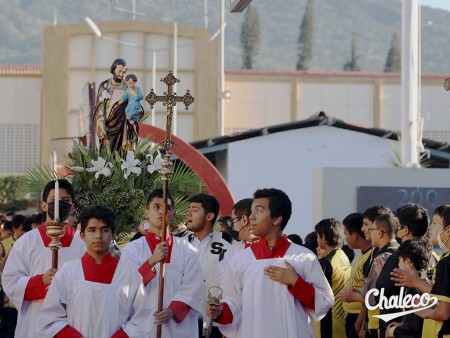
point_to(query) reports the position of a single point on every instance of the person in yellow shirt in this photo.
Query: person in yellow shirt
(352, 301)
(9, 311)
(336, 267)
(17, 227)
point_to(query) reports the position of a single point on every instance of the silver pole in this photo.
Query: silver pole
(175, 71)
(154, 85)
(205, 12)
(222, 70)
(410, 81)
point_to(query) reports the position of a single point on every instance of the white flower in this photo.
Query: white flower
(131, 165)
(100, 167)
(77, 169)
(155, 162)
(105, 95)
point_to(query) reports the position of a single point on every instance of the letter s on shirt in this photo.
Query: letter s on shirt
(217, 249)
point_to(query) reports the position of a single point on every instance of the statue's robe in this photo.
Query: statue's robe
(113, 129)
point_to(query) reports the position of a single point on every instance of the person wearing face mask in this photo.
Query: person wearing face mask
(28, 274)
(413, 223)
(240, 232)
(437, 319)
(413, 280)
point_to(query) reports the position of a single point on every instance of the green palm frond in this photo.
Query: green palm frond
(395, 158)
(185, 179)
(36, 179)
(126, 197)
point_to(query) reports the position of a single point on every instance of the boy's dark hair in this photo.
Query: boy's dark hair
(243, 207)
(418, 250)
(226, 236)
(131, 76)
(349, 252)
(353, 223)
(279, 204)
(333, 231)
(8, 225)
(224, 219)
(159, 193)
(117, 62)
(27, 224)
(388, 223)
(446, 216)
(294, 238)
(440, 209)
(208, 202)
(310, 242)
(18, 220)
(375, 211)
(10, 213)
(414, 217)
(63, 184)
(99, 212)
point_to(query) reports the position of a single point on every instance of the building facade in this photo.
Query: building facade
(20, 117)
(75, 57)
(264, 98)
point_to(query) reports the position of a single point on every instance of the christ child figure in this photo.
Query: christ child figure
(133, 94)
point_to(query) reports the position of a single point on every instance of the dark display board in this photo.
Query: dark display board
(395, 197)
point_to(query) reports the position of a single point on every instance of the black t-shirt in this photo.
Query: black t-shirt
(441, 287)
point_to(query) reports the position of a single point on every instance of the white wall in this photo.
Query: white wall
(286, 160)
(257, 104)
(20, 114)
(261, 101)
(20, 97)
(347, 101)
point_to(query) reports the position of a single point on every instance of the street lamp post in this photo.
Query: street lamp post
(410, 83)
(222, 70)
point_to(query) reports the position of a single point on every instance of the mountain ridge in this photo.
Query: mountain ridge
(372, 21)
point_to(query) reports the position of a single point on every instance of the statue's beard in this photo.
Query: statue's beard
(117, 79)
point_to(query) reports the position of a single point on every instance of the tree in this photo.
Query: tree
(352, 64)
(306, 37)
(394, 56)
(10, 196)
(250, 37)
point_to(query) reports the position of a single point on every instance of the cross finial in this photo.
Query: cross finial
(169, 99)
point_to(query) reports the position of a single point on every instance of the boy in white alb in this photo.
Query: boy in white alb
(202, 214)
(97, 295)
(182, 280)
(28, 273)
(275, 288)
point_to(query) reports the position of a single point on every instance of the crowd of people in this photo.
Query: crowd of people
(237, 276)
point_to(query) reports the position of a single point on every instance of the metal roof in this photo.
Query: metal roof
(438, 150)
(20, 70)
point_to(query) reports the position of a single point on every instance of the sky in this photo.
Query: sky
(442, 4)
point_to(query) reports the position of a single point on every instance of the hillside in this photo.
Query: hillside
(373, 22)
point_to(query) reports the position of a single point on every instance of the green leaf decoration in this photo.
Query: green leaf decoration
(126, 197)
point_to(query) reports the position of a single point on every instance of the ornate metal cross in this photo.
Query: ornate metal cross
(169, 99)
